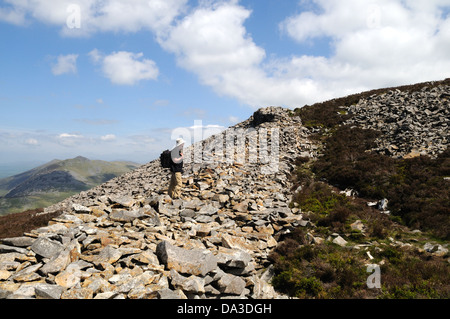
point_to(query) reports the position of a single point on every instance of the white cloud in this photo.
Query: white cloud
(12, 15)
(141, 140)
(376, 43)
(108, 137)
(96, 56)
(31, 141)
(65, 64)
(212, 42)
(67, 135)
(44, 145)
(214, 38)
(373, 44)
(125, 68)
(95, 15)
(161, 103)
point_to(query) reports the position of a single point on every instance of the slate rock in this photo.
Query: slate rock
(23, 241)
(124, 216)
(48, 291)
(194, 261)
(46, 247)
(191, 284)
(230, 284)
(167, 293)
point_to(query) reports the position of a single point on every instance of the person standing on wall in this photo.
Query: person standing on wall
(177, 169)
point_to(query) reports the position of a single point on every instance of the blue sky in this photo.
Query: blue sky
(112, 79)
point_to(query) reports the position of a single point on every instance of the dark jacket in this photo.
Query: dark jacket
(176, 168)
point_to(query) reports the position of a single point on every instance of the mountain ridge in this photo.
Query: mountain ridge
(265, 227)
(60, 176)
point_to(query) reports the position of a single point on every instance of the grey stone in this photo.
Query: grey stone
(80, 209)
(340, 241)
(208, 210)
(18, 241)
(109, 254)
(204, 219)
(167, 293)
(193, 261)
(57, 263)
(27, 274)
(230, 284)
(124, 201)
(46, 247)
(48, 291)
(8, 249)
(125, 216)
(191, 284)
(234, 258)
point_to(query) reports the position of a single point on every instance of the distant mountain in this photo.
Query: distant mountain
(56, 180)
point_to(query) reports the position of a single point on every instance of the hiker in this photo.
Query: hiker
(176, 168)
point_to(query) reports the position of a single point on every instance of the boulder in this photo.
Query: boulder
(125, 216)
(193, 261)
(46, 247)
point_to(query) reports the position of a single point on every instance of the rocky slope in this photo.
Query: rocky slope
(411, 123)
(127, 239)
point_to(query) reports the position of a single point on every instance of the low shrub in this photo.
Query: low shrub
(14, 225)
(416, 187)
(320, 271)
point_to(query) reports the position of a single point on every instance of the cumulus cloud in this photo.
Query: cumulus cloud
(376, 43)
(125, 68)
(95, 15)
(372, 44)
(212, 42)
(65, 64)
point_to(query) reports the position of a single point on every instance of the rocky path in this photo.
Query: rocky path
(128, 239)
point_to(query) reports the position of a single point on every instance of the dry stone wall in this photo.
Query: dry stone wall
(128, 239)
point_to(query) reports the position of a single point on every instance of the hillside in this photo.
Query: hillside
(305, 203)
(55, 181)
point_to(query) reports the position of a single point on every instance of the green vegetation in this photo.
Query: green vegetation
(332, 272)
(322, 269)
(416, 188)
(309, 265)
